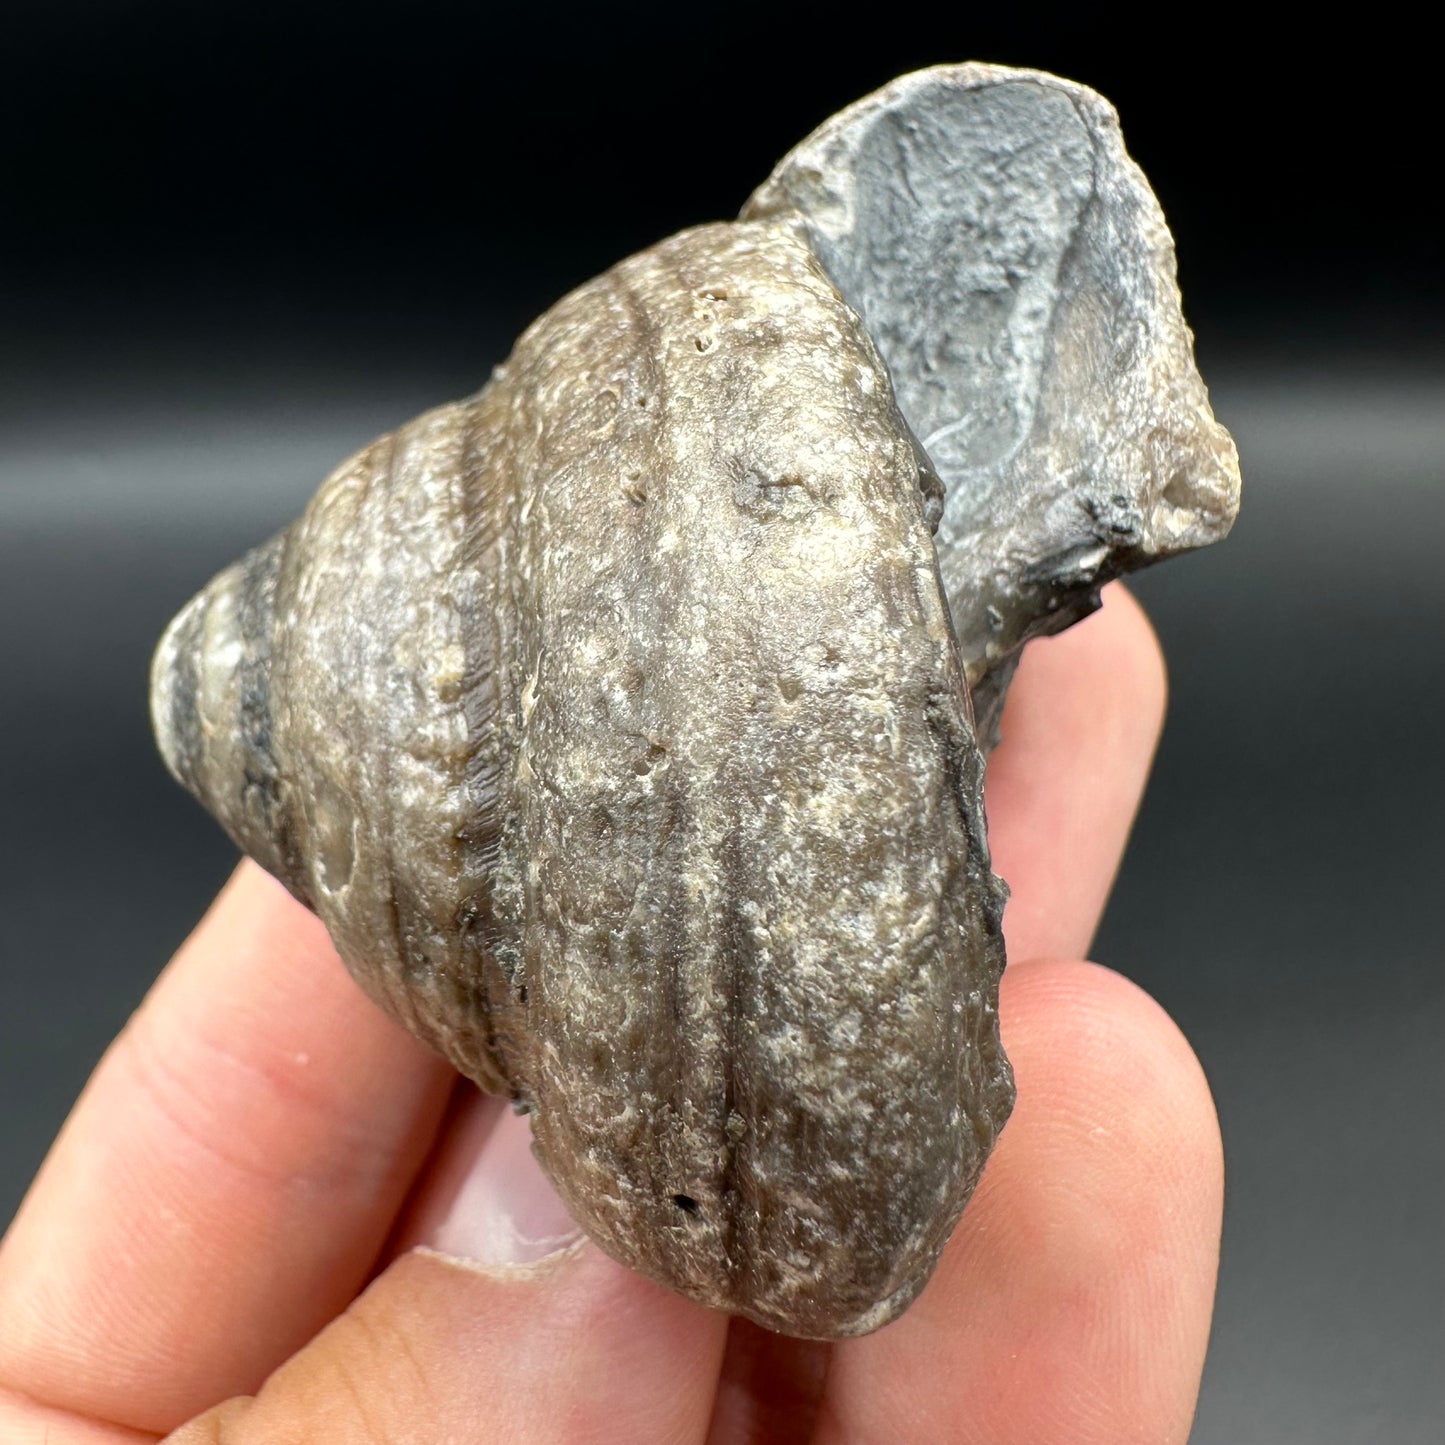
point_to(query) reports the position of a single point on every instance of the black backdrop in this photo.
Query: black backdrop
(238, 241)
(314, 154)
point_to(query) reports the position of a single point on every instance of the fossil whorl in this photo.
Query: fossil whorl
(613, 724)
(614, 720)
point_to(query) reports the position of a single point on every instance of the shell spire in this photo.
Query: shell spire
(211, 710)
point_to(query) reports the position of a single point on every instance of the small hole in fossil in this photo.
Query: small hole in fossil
(686, 1203)
(655, 751)
(1179, 493)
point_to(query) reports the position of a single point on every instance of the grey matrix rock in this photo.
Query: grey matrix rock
(616, 720)
(1014, 269)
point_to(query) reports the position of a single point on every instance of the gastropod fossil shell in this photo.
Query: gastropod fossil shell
(616, 720)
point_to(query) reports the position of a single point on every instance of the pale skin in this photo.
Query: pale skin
(221, 1243)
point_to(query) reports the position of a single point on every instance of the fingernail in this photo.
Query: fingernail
(505, 1209)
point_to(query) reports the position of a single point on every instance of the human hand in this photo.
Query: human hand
(275, 1216)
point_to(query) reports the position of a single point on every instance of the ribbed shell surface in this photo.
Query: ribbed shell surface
(613, 722)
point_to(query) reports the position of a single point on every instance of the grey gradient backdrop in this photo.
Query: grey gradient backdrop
(217, 282)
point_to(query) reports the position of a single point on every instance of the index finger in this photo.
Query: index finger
(226, 1180)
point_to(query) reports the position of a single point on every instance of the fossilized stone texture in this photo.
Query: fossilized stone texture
(613, 724)
(1015, 271)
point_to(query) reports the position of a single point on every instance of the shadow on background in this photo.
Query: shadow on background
(245, 241)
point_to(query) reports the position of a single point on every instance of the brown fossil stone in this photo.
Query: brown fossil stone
(614, 720)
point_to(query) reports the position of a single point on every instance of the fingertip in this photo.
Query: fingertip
(1104, 1059)
(1073, 1303)
(1127, 645)
(1100, 1214)
(1079, 732)
(1109, 668)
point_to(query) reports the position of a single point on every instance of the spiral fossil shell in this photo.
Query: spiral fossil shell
(614, 721)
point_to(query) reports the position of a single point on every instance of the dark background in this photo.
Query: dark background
(236, 242)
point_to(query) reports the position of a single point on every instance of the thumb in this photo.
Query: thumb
(498, 1323)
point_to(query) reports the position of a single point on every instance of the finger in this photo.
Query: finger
(224, 1184)
(516, 1330)
(769, 1387)
(1073, 1303)
(1079, 731)
(571, 1348)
